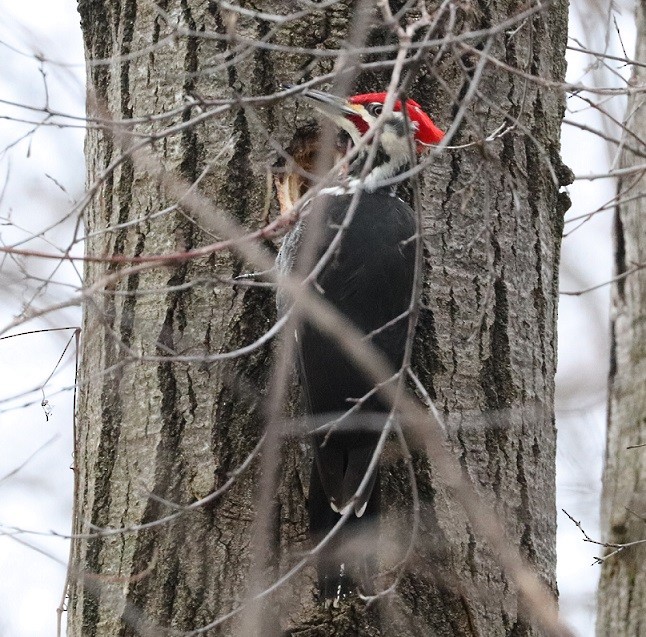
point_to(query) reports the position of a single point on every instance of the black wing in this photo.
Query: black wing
(369, 280)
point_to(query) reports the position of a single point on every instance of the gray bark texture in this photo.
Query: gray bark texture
(485, 348)
(622, 589)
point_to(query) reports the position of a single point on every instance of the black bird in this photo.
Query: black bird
(368, 279)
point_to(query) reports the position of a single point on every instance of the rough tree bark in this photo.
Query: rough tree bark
(622, 589)
(486, 346)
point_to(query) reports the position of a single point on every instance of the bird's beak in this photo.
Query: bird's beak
(341, 111)
(329, 104)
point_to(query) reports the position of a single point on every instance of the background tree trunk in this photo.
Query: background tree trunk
(622, 589)
(486, 346)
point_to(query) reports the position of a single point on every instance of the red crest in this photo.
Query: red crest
(426, 132)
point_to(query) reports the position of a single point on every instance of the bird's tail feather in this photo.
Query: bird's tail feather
(347, 564)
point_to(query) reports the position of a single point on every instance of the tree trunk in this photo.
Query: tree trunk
(622, 589)
(485, 350)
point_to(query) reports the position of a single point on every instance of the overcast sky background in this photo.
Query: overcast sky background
(43, 173)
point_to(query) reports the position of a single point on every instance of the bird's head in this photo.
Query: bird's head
(357, 114)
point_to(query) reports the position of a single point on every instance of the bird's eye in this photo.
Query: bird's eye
(375, 109)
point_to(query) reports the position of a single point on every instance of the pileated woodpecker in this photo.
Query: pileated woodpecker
(368, 279)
